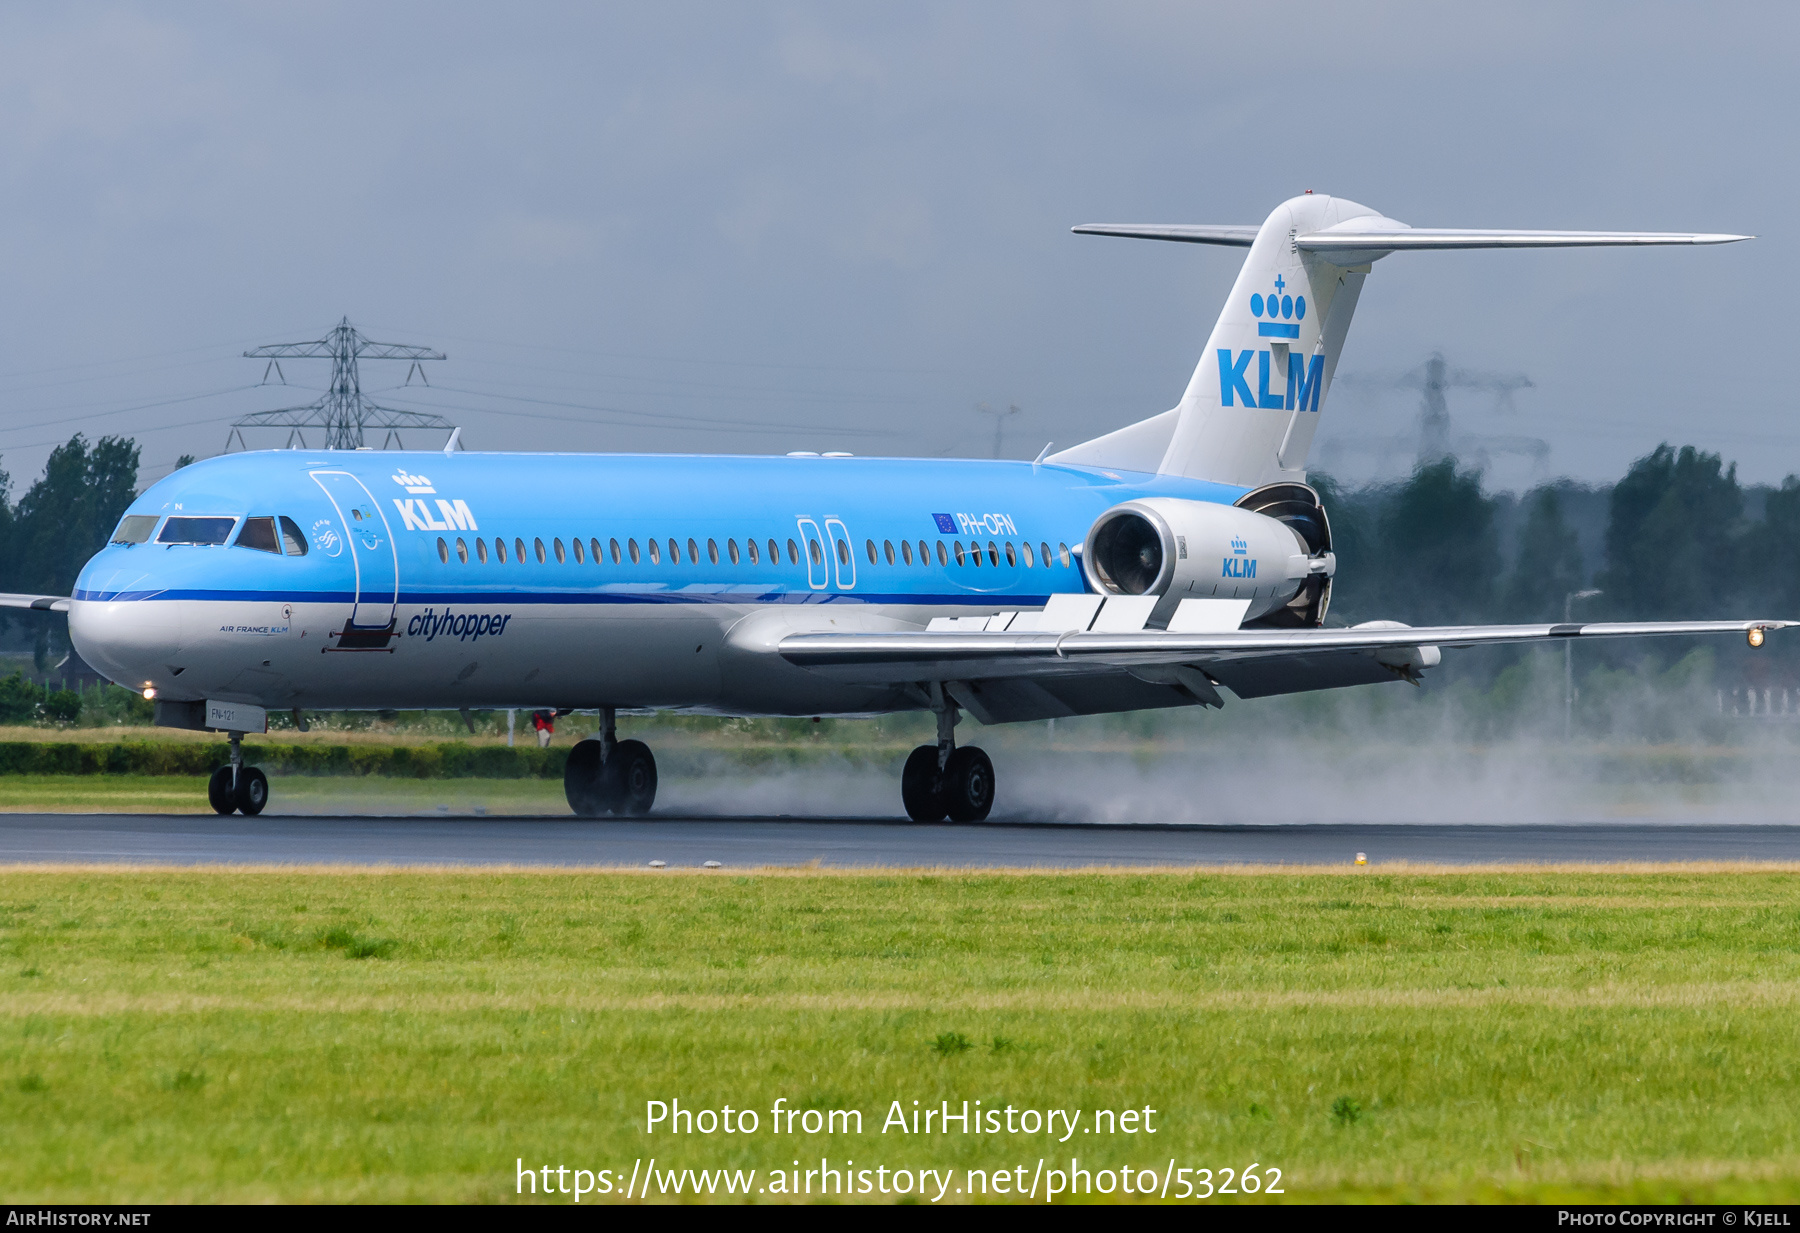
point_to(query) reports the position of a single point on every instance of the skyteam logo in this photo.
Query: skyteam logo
(1290, 309)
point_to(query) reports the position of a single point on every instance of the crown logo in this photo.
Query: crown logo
(1239, 545)
(1284, 312)
(412, 483)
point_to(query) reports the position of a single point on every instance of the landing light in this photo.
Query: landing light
(149, 692)
(1756, 635)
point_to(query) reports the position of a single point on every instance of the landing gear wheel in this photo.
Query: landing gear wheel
(218, 791)
(921, 786)
(968, 785)
(252, 791)
(581, 780)
(628, 780)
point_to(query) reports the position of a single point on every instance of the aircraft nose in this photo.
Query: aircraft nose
(131, 642)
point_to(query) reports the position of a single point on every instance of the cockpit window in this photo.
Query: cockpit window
(180, 530)
(135, 529)
(290, 535)
(258, 533)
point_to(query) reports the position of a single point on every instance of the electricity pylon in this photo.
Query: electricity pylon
(343, 412)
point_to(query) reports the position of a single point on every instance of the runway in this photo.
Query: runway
(846, 843)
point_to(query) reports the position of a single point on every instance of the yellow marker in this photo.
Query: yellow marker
(1362, 858)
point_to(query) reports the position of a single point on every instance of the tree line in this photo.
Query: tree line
(1677, 537)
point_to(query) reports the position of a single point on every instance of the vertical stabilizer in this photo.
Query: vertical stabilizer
(1252, 406)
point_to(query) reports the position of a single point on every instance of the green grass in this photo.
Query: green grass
(289, 794)
(252, 1035)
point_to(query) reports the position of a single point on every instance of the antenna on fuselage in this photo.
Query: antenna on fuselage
(343, 413)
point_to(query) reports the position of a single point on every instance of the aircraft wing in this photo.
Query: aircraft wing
(42, 603)
(1009, 676)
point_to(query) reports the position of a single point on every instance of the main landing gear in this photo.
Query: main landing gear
(607, 775)
(942, 780)
(237, 788)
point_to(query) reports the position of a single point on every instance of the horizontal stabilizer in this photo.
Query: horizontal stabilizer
(1192, 233)
(1357, 239)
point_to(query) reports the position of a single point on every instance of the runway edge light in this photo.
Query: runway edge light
(1756, 635)
(1362, 858)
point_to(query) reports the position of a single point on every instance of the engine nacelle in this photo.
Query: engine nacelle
(1180, 549)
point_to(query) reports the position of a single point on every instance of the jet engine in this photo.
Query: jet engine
(1272, 548)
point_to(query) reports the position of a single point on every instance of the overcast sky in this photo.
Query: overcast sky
(762, 228)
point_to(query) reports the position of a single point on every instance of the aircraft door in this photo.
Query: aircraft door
(371, 548)
(818, 572)
(843, 553)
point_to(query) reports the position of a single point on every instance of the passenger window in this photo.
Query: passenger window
(712, 551)
(291, 537)
(943, 558)
(871, 547)
(211, 531)
(993, 554)
(844, 551)
(655, 553)
(1011, 559)
(258, 533)
(576, 545)
(594, 551)
(556, 544)
(519, 550)
(674, 553)
(135, 529)
(751, 545)
(1044, 554)
(631, 546)
(887, 550)
(1026, 549)
(462, 551)
(537, 545)
(793, 551)
(959, 552)
(694, 553)
(812, 551)
(731, 550)
(775, 552)
(906, 551)
(974, 551)
(443, 551)
(500, 551)
(1062, 553)
(614, 545)
(481, 551)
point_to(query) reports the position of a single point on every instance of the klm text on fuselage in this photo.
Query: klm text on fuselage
(1303, 381)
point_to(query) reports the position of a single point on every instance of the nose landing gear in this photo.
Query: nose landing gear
(943, 780)
(607, 775)
(237, 788)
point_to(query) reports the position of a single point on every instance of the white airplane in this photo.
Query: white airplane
(1161, 565)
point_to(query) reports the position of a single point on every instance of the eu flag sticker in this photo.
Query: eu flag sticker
(945, 523)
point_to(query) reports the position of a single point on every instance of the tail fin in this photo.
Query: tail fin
(1250, 411)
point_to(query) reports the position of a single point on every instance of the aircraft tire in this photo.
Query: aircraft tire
(218, 791)
(582, 780)
(968, 785)
(629, 779)
(921, 786)
(252, 791)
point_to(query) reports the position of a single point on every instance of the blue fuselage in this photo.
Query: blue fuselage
(569, 579)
